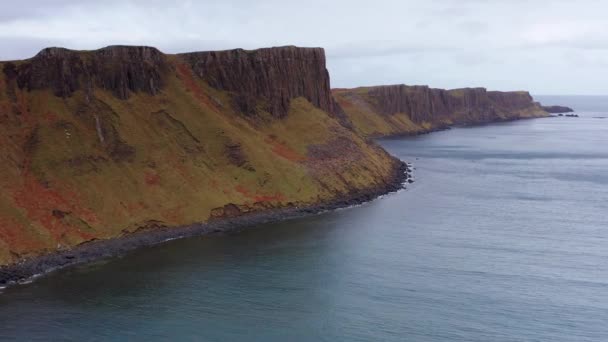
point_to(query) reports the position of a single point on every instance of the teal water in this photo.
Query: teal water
(503, 237)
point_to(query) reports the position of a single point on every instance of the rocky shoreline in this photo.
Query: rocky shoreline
(96, 250)
(101, 249)
(448, 127)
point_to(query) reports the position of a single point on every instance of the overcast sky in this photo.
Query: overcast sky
(547, 47)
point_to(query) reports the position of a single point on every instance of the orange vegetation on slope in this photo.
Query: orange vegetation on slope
(283, 150)
(256, 197)
(185, 74)
(175, 131)
(48, 207)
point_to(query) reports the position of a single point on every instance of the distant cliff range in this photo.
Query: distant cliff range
(402, 109)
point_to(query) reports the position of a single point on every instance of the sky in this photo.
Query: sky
(546, 47)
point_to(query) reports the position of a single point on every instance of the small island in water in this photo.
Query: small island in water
(558, 109)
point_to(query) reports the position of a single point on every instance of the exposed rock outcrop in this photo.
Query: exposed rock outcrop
(119, 69)
(267, 78)
(428, 104)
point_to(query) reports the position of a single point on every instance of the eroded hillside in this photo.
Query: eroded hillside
(98, 144)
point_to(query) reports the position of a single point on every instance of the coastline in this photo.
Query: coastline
(446, 127)
(34, 267)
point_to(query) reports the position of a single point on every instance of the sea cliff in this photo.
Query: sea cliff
(401, 109)
(102, 144)
(107, 150)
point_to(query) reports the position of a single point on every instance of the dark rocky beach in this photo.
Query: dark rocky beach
(100, 249)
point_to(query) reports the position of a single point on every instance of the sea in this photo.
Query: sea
(503, 236)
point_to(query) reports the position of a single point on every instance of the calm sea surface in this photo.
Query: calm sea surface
(503, 237)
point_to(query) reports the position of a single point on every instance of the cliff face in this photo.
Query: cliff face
(100, 144)
(401, 109)
(119, 69)
(258, 77)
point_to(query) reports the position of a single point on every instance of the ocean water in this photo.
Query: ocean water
(503, 237)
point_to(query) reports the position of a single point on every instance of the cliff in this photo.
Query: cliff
(102, 144)
(120, 69)
(402, 109)
(257, 77)
(128, 141)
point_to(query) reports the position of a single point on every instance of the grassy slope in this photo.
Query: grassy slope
(367, 121)
(359, 107)
(62, 185)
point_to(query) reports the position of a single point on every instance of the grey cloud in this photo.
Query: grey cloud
(591, 43)
(27, 9)
(381, 48)
(23, 47)
(501, 44)
(474, 27)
